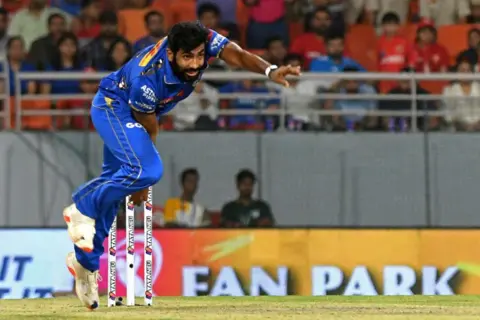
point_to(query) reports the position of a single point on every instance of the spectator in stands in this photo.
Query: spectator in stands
(242, 122)
(472, 54)
(118, 54)
(210, 16)
(310, 45)
(80, 122)
(443, 12)
(86, 25)
(299, 99)
(228, 9)
(31, 22)
(430, 55)
(375, 10)
(463, 114)
(72, 7)
(335, 59)
(155, 23)
(402, 123)
(474, 16)
(246, 211)
(44, 48)
(96, 52)
(356, 119)
(3, 30)
(395, 52)
(184, 211)
(199, 111)
(66, 58)
(267, 19)
(17, 63)
(336, 8)
(275, 51)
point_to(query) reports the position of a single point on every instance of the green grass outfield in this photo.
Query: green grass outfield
(279, 308)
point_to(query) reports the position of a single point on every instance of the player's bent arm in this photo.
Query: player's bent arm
(149, 122)
(237, 57)
(143, 103)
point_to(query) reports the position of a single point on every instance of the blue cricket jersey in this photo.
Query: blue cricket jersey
(147, 82)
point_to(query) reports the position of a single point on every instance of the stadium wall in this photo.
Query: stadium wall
(398, 180)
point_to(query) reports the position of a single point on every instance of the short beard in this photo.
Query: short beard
(181, 73)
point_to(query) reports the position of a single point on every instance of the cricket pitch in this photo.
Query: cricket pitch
(232, 308)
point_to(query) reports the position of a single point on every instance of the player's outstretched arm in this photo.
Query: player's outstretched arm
(235, 56)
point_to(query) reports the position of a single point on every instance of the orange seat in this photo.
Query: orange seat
(454, 37)
(434, 87)
(361, 41)
(32, 122)
(132, 31)
(409, 31)
(242, 21)
(183, 10)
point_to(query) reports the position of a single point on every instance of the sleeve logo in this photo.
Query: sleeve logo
(149, 94)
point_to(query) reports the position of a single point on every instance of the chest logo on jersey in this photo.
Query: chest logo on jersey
(176, 97)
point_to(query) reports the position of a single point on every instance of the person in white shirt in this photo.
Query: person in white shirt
(463, 114)
(203, 102)
(300, 99)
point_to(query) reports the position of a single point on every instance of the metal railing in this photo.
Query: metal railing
(232, 76)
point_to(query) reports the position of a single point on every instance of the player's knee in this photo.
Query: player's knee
(152, 173)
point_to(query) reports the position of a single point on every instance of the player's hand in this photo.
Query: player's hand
(140, 196)
(281, 73)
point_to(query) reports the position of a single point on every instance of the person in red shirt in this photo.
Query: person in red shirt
(310, 45)
(430, 55)
(86, 25)
(394, 51)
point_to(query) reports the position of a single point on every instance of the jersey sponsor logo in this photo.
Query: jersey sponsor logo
(149, 94)
(131, 125)
(150, 54)
(174, 98)
(217, 42)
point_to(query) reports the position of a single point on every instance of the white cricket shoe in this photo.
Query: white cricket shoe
(80, 228)
(86, 282)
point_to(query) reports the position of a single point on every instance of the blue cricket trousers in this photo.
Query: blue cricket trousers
(130, 163)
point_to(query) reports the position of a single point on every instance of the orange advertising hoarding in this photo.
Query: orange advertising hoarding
(314, 262)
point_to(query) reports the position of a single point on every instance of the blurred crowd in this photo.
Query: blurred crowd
(328, 36)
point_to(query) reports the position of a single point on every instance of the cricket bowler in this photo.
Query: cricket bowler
(125, 114)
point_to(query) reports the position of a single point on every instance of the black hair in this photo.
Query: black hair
(208, 7)
(53, 16)
(245, 174)
(151, 14)
(322, 9)
(390, 17)
(293, 56)
(333, 35)
(350, 68)
(271, 40)
(187, 172)
(10, 42)
(86, 3)
(187, 36)
(108, 17)
(57, 57)
(110, 62)
(307, 26)
(467, 61)
(3, 12)
(407, 70)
